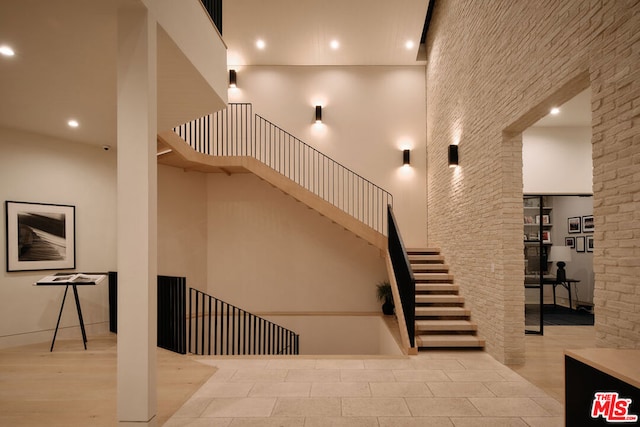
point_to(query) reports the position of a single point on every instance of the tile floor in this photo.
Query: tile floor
(439, 388)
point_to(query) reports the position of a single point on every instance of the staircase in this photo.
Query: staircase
(236, 140)
(442, 321)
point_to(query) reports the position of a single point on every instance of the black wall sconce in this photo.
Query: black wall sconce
(406, 157)
(233, 78)
(318, 114)
(453, 155)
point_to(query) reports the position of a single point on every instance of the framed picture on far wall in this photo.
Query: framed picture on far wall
(589, 243)
(40, 236)
(574, 224)
(570, 241)
(587, 224)
(580, 244)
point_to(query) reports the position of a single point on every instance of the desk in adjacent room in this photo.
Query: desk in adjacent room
(534, 282)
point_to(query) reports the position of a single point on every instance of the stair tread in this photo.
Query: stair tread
(417, 258)
(438, 298)
(432, 276)
(445, 325)
(423, 250)
(443, 308)
(442, 311)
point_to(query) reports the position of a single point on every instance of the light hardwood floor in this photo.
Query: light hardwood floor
(74, 387)
(544, 364)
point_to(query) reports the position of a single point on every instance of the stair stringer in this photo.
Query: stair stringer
(183, 156)
(405, 343)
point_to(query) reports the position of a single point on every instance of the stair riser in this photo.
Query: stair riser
(446, 344)
(436, 287)
(439, 299)
(443, 314)
(446, 329)
(423, 251)
(429, 268)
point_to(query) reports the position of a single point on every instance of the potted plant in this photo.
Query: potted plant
(385, 296)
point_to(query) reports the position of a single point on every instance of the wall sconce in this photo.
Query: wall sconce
(233, 78)
(318, 114)
(406, 157)
(453, 155)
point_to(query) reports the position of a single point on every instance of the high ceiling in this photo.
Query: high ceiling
(64, 66)
(299, 32)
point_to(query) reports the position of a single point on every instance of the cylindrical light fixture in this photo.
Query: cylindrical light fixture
(406, 157)
(318, 114)
(453, 155)
(233, 78)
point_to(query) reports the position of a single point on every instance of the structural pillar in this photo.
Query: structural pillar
(137, 215)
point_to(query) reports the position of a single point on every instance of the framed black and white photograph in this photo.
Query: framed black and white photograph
(40, 236)
(587, 224)
(589, 243)
(574, 224)
(580, 244)
(570, 241)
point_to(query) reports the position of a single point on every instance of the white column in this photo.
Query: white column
(137, 216)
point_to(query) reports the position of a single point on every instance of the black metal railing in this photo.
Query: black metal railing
(214, 8)
(172, 323)
(404, 276)
(171, 317)
(219, 328)
(236, 131)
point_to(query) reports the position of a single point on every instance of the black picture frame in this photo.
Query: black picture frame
(588, 225)
(570, 241)
(574, 224)
(580, 246)
(590, 242)
(40, 236)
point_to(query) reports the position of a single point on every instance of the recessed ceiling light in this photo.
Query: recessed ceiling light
(73, 123)
(6, 51)
(409, 44)
(555, 110)
(260, 44)
(335, 44)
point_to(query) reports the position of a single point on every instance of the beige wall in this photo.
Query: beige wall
(182, 225)
(494, 68)
(353, 335)
(369, 115)
(34, 168)
(238, 232)
(557, 160)
(268, 253)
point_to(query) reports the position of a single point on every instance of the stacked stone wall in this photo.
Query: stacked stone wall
(494, 68)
